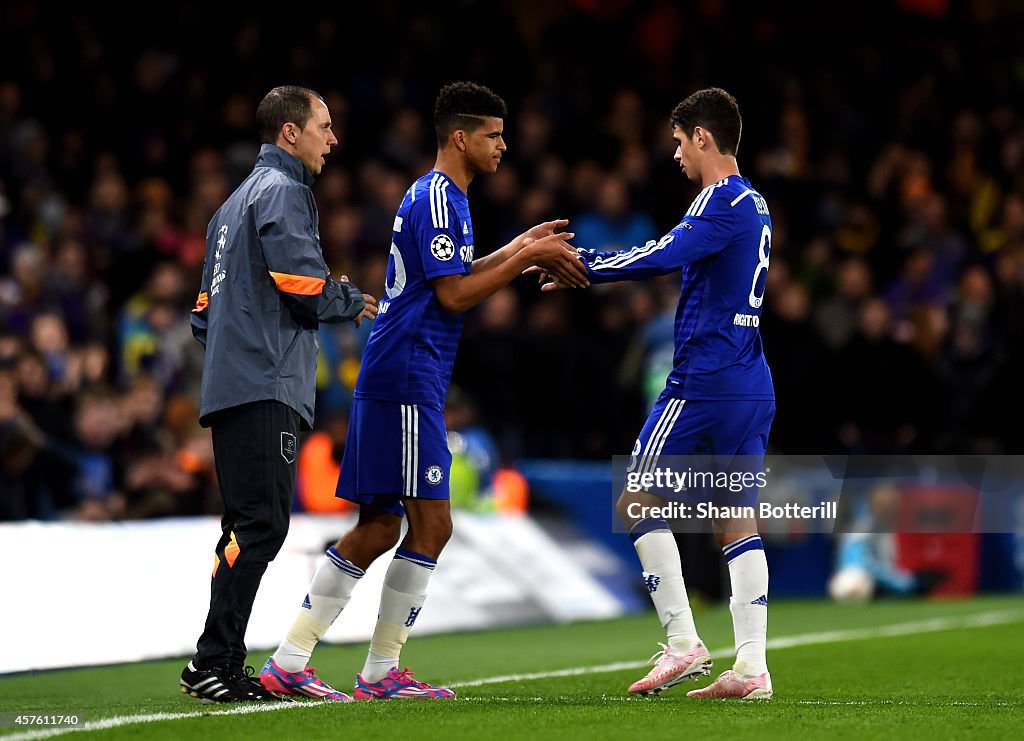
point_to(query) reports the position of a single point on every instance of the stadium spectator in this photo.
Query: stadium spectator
(885, 387)
(20, 443)
(837, 313)
(48, 336)
(98, 424)
(154, 481)
(319, 464)
(494, 342)
(82, 301)
(475, 458)
(23, 293)
(614, 223)
(796, 355)
(152, 328)
(967, 369)
(341, 350)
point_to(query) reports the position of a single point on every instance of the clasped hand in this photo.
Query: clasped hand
(554, 259)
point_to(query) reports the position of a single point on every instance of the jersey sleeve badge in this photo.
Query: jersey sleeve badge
(442, 247)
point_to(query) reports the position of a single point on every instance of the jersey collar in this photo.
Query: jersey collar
(446, 177)
(272, 155)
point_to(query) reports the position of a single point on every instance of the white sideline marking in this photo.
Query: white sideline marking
(933, 625)
(807, 639)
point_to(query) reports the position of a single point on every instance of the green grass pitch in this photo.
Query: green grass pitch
(893, 670)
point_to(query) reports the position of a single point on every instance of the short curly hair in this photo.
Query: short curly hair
(463, 105)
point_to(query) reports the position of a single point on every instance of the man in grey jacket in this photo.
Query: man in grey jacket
(265, 289)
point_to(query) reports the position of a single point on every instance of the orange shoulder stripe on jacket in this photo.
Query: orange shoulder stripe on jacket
(300, 284)
(202, 301)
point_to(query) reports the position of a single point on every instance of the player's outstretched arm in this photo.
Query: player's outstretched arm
(643, 261)
(459, 293)
(693, 239)
(531, 235)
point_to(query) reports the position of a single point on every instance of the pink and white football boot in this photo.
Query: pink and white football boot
(672, 667)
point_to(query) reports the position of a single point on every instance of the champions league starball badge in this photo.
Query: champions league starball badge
(442, 247)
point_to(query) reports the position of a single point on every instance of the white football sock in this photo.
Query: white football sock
(401, 599)
(748, 572)
(329, 592)
(663, 575)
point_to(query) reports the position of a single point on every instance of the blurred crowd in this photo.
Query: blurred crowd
(891, 156)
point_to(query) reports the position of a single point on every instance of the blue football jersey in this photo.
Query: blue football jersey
(722, 246)
(409, 355)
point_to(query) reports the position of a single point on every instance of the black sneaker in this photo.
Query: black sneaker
(251, 680)
(225, 684)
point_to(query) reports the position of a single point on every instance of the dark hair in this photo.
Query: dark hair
(462, 105)
(284, 104)
(715, 110)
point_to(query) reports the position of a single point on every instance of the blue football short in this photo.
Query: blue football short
(722, 441)
(394, 451)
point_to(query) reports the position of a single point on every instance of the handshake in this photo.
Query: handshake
(554, 261)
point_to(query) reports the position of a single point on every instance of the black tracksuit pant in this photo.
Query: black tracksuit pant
(255, 446)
